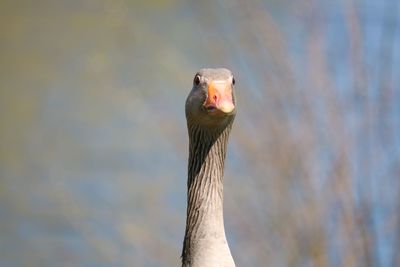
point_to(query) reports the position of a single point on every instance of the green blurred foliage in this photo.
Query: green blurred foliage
(93, 142)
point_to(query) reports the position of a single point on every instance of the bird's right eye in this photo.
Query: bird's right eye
(196, 80)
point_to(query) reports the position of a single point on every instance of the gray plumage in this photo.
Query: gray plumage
(205, 243)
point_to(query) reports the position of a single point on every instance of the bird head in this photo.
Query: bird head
(211, 101)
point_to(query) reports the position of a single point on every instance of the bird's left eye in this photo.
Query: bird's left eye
(233, 81)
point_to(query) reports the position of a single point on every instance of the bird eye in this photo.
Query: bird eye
(233, 81)
(196, 80)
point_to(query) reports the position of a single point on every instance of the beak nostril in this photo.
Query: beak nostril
(215, 98)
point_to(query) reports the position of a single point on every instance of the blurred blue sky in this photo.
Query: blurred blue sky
(93, 141)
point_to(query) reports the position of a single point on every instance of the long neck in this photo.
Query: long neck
(205, 242)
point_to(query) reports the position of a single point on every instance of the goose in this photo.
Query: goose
(210, 111)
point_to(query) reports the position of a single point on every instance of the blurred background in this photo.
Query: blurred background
(93, 139)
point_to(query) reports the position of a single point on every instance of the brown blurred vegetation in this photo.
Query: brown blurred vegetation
(93, 142)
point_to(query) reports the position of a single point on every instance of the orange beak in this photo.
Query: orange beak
(220, 96)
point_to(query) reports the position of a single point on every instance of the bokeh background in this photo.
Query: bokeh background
(93, 141)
